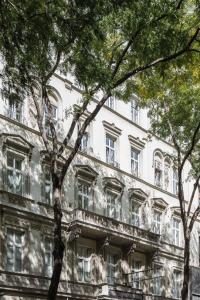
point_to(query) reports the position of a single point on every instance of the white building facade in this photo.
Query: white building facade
(121, 220)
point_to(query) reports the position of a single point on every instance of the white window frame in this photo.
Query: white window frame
(15, 110)
(110, 150)
(175, 181)
(15, 247)
(176, 231)
(82, 196)
(176, 284)
(110, 102)
(48, 256)
(135, 212)
(15, 156)
(113, 209)
(47, 117)
(135, 162)
(84, 262)
(167, 169)
(112, 261)
(134, 111)
(136, 274)
(157, 221)
(158, 171)
(157, 283)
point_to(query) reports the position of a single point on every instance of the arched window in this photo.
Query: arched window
(158, 169)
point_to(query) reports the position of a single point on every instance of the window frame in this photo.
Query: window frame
(134, 111)
(176, 284)
(157, 224)
(135, 161)
(49, 252)
(110, 150)
(86, 275)
(175, 241)
(22, 234)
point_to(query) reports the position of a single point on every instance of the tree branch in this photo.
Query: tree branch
(192, 195)
(52, 71)
(158, 61)
(193, 144)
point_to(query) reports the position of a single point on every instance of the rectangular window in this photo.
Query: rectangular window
(176, 284)
(136, 267)
(135, 214)
(84, 142)
(110, 150)
(47, 118)
(14, 250)
(176, 231)
(15, 109)
(175, 182)
(134, 111)
(111, 267)
(113, 206)
(110, 102)
(157, 283)
(14, 173)
(134, 161)
(157, 222)
(83, 195)
(48, 256)
(84, 263)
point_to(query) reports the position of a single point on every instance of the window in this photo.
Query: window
(110, 150)
(84, 142)
(176, 231)
(157, 170)
(157, 283)
(84, 263)
(134, 111)
(134, 161)
(175, 181)
(113, 206)
(136, 267)
(111, 267)
(176, 284)
(54, 111)
(110, 102)
(14, 250)
(48, 257)
(15, 108)
(83, 194)
(14, 173)
(157, 222)
(166, 174)
(135, 214)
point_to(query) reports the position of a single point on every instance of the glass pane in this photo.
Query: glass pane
(10, 160)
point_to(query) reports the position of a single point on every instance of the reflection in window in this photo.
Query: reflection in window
(134, 161)
(136, 267)
(15, 108)
(14, 173)
(158, 170)
(48, 256)
(113, 206)
(84, 263)
(14, 250)
(157, 222)
(112, 267)
(110, 150)
(135, 213)
(83, 194)
(176, 231)
(176, 284)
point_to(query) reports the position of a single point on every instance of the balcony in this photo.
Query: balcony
(122, 234)
(107, 291)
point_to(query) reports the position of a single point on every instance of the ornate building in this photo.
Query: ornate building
(121, 221)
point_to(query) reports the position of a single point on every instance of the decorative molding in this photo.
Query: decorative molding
(17, 142)
(176, 211)
(113, 183)
(138, 194)
(85, 171)
(112, 129)
(136, 142)
(159, 203)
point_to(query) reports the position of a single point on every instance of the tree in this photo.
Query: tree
(174, 110)
(105, 44)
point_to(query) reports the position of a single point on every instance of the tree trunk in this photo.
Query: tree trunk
(58, 244)
(186, 270)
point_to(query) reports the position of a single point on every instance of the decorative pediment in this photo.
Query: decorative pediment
(85, 171)
(138, 194)
(17, 142)
(159, 203)
(112, 129)
(113, 183)
(176, 211)
(136, 142)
